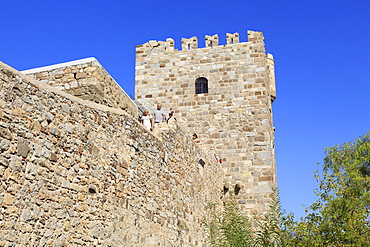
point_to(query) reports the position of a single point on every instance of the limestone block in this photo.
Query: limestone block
(8, 199)
(5, 133)
(23, 147)
(4, 144)
(25, 215)
(80, 76)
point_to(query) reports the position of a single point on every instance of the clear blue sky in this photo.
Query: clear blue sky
(321, 49)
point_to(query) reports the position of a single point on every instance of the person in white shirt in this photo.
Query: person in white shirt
(159, 116)
(146, 120)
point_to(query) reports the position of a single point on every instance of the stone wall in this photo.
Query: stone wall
(86, 79)
(234, 119)
(76, 173)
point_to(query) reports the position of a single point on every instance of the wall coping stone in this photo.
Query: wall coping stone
(72, 63)
(61, 65)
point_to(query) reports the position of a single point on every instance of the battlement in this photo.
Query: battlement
(187, 44)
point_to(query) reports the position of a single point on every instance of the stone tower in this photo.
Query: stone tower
(224, 93)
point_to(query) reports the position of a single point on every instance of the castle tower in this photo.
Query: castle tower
(224, 94)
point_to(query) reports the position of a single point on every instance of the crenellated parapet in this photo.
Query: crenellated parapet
(156, 46)
(255, 37)
(211, 40)
(232, 38)
(192, 43)
(189, 44)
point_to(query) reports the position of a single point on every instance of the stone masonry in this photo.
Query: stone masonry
(78, 169)
(77, 173)
(86, 79)
(234, 119)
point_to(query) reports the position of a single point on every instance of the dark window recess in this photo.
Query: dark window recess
(237, 189)
(201, 162)
(225, 190)
(92, 190)
(201, 85)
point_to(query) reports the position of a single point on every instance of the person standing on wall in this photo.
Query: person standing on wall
(159, 116)
(146, 120)
(171, 121)
(171, 117)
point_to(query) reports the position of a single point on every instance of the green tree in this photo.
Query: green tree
(341, 215)
(231, 227)
(270, 231)
(228, 226)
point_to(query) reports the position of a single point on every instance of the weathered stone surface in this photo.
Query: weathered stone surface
(53, 157)
(82, 174)
(4, 144)
(25, 215)
(5, 133)
(8, 199)
(48, 233)
(23, 147)
(80, 76)
(88, 80)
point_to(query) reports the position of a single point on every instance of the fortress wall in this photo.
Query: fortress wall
(234, 119)
(86, 79)
(75, 173)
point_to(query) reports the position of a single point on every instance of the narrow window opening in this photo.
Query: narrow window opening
(210, 43)
(201, 85)
(201, 162)
(237, 189)
(188, 46)
(232, 40)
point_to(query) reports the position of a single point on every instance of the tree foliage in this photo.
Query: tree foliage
(231, 227)
(270, 229)
(228, 227)
(341, 215)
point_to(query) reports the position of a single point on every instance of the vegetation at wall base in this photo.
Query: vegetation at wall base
(228, 227)
(340, 217)
(231, 227)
